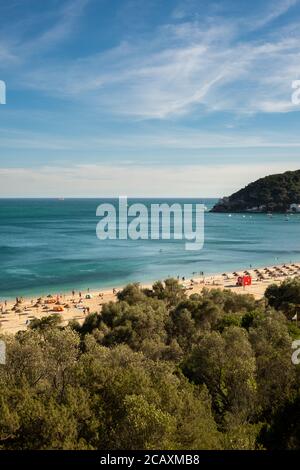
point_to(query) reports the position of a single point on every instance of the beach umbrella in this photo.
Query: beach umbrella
(58, 309)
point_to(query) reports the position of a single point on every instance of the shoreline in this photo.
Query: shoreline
(14, 318)
(43, 292)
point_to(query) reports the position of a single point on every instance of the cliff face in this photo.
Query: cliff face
(275, 193)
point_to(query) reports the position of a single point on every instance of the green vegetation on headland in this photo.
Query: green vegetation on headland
(157, 370)
(275, 193)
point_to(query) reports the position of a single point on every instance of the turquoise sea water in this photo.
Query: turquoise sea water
(51, 246)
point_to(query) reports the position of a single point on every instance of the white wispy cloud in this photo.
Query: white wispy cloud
(6, 55)
(193, 64)
(177, 138)
(16, 48)
(67, 17)
(134, 181)
(278, 9)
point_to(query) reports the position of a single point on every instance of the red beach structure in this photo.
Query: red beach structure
(244, 281)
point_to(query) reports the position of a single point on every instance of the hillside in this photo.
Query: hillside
(274, 193)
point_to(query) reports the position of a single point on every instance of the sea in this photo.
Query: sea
(50, 246)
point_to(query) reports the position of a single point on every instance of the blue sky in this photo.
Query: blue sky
(146, 97)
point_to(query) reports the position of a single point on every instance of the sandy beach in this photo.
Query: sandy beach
(77, 305)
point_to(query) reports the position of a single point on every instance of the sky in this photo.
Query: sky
(158, 98)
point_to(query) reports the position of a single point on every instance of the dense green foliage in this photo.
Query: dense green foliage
(156, 370)
(275, 192)
(285, 297)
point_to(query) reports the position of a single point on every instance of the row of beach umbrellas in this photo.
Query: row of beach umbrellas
(269, 272)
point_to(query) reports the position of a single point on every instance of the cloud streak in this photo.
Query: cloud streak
(16, 49)
(134, 181)
(177, 138)
(182, 68)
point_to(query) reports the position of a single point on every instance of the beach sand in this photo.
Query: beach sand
(14, 317)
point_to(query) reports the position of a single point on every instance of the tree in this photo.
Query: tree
(170, 291)
(285, 297)
(225, 363)
(155, 369)
(284, 430)
(275, 372)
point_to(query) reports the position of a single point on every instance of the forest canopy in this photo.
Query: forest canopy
(274, 193)
(157, 370)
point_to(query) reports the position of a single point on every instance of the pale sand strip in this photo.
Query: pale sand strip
(14, 318)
